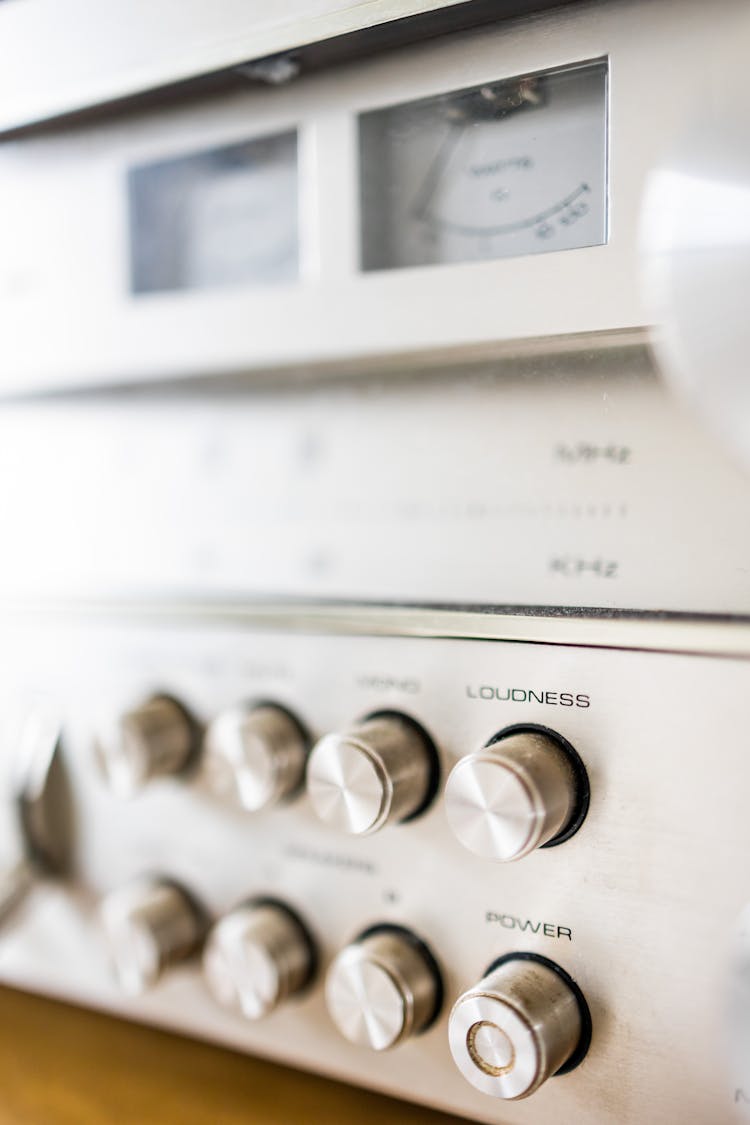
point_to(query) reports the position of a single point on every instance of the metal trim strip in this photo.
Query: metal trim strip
(49, 74)
(705, 636)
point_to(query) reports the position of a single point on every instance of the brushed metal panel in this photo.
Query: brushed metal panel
(648, 889)
(568, 481)
(63, 223)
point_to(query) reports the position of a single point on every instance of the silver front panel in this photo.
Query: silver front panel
(639, 907)
(458, 488)
(47, 67)
(568, 481)
(64, 220)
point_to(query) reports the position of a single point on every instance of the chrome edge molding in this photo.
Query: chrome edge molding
(47, 68)
(695, 635)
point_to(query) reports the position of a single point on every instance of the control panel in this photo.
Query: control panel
(466, 871)
(374, 636)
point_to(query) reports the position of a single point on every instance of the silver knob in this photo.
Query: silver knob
(149, 925)
(523, 1022)
(514, 795)
(383, 988)
(256, 957)
(156, 739)
(254, 756)
(380, 771)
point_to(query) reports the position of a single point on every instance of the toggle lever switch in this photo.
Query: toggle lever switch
(37, 831)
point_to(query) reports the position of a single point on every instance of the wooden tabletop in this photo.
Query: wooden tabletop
(61, 1065)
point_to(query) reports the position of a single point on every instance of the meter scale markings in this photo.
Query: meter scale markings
(535, 220)
(487, 176)
(505, 169)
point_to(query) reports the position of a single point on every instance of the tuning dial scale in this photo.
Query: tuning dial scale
(384, 988)
(158, 738)
(526, 788)
(258, 956)
(254, 756)
(150, 925)
(525, 1021)
(383, 770)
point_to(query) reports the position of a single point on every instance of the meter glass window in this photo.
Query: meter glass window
(505, 169)
(226, 216)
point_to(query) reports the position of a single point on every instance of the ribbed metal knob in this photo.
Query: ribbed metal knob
(520, 1025)
(153, 740)
(378, 772)
(254, 756)
(382, 989)
(149, 925)
(256, 957)
(512, 796)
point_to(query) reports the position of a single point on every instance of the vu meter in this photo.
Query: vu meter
(501, 170)
(217, 217)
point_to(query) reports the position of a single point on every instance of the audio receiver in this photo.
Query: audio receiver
(374, 584)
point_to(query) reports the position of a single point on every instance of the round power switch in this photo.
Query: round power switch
(525, 1021)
